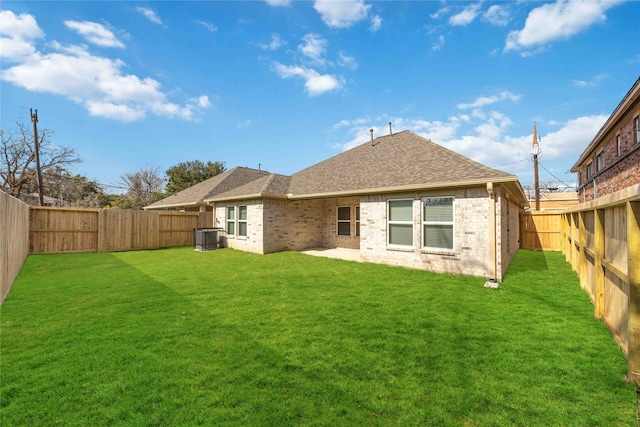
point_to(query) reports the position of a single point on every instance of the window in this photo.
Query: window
(242, 221)
(600, 161)
(344, 221)
(589, 171)
(618, 145)
(357, 221)
(636, 128)
(437, 222)
(231, 220)
(400, 222)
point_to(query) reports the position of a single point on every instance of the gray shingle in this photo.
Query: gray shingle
(197, 194)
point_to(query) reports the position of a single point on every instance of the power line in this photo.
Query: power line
(549, 172)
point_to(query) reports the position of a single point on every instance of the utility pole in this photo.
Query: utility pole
(535, 151)
(34, 119)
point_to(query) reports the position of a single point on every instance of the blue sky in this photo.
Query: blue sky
(286, 84)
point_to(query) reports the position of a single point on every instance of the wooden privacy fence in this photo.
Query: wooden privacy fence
(14, 240)
(56, 230)
(541, 230)
(601, 240)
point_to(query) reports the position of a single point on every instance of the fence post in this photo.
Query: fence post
(599, 238)
(582, 254)
(99, 237)
(633, 242)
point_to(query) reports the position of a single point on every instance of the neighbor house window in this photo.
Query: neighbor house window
(344, 221)
(619, 145)
(242, 221)
(636, 128)
(400, 222)
(437, 222)
(600, 161)
(589, 171)
(231, 220)
(357, 221)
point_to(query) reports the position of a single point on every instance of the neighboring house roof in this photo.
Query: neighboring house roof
(629, 99)
(403, 161)
(198, 193)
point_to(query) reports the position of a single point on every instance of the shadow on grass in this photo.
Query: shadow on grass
(138, 352)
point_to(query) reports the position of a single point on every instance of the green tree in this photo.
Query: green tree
(185, 174)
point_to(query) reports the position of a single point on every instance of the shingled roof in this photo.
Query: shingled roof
(398, 162)
(197, 194)
(274, 186)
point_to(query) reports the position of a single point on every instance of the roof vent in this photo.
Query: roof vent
(390, 130)
(371, 130)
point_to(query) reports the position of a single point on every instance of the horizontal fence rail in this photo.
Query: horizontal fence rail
(60, 230)
(541, 230)
(601, 240)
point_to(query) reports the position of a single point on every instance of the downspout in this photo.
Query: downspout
(493, 270)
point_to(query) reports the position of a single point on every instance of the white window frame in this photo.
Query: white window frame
(357, 220)
(451, 223)
(589, 170)
(342, 221)
(243, 221)
(396, 222)
(231, 221)
(636, 122)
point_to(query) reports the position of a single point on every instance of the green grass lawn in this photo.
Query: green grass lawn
(177, 337)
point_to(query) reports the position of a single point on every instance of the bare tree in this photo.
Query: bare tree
(17, 157)
(144, 186)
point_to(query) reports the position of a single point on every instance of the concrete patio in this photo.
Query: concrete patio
(338, 253)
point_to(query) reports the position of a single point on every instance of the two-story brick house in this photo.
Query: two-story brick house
(611, 161)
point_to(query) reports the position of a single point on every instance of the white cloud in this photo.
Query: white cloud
(442, 11)
(150, 14)
(488, 100)
(345, 60)
(119, 112)
(573, 137)
(467, 15)
(18, 32)
(275, 43)
(98, 83)
(243, 124)
(376, 23)
(341, 14)
(497, 15)
(589, 83)
(314, 47)
(278, 3)
(560, 20)
(486, 140)
(315, 83)
(437, 45)
(208, 25)
(95, 33)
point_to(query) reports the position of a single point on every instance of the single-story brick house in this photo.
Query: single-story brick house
(192, 198)
(399, 199)
(611, 162)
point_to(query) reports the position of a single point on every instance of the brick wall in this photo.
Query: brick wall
(509, 213)
(471, 234)
(252, 242)
(276, 225)
(621, 167)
